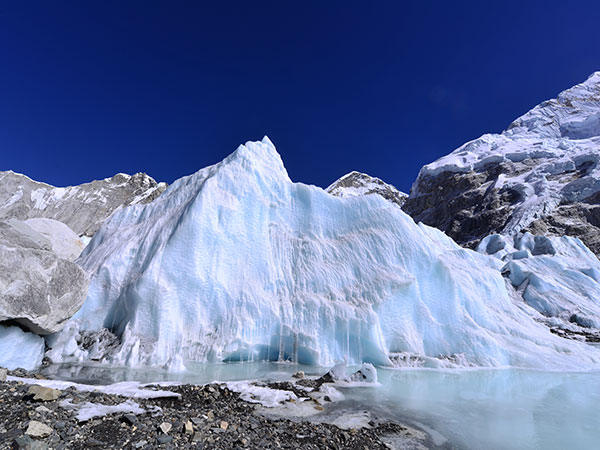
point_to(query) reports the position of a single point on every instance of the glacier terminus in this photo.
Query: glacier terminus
(238, 263)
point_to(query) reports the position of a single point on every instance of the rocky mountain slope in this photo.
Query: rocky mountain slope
(83, 208)
(540, 175)
(355, 184)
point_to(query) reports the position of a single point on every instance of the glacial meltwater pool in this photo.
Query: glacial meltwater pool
(496, 409)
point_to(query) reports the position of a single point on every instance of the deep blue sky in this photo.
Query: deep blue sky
(88, 89)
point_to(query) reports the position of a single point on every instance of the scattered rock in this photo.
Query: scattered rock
(224, 425)
(188, 428)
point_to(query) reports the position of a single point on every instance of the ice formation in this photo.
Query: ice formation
(236, 262)
(20, 348)
(558, 277)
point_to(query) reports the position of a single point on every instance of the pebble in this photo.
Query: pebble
(164, 439)
(165, 427)
(189, 427)
(129, 419)
(196, 421)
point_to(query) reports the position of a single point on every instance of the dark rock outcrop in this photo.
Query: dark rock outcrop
(540, 175)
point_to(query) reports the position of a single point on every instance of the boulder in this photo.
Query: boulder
(63, 241)
(39, 290)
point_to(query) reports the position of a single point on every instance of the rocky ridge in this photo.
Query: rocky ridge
(541, 175)
(83, 208)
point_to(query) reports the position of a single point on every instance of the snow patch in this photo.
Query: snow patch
(89, 410)
(132, 389)
(263, 395)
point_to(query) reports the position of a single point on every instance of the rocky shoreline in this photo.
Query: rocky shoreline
(211, 416)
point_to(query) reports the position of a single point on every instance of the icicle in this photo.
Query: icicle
(347, 339)
(360, 359)
(295, 354)
(280, 357)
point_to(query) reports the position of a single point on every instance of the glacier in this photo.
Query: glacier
(236, 262)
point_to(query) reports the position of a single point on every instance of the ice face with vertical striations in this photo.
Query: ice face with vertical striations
(237, 262)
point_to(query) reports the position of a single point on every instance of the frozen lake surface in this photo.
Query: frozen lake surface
(497, 409)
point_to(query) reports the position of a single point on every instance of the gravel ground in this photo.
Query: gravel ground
(203, 417)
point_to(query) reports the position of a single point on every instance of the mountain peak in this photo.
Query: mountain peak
(355, 184)
(573, 114)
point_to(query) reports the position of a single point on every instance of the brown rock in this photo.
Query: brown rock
(43, 394)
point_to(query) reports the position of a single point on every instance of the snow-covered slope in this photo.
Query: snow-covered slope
(356, 183)
(237, 262)
(83, 208)
(541, 174)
